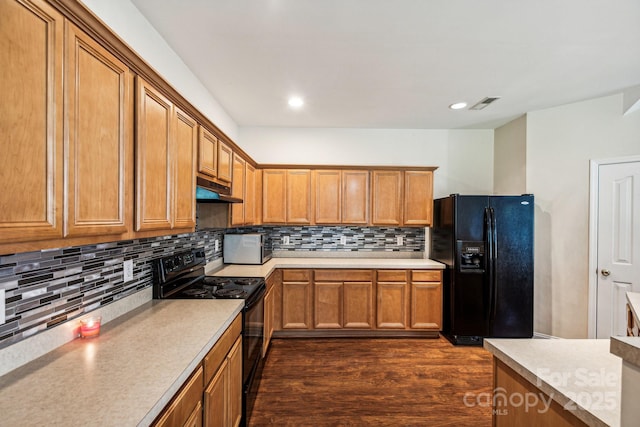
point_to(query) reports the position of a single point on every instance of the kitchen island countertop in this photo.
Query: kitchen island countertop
(123, 377)
(580, 374)
(235, 270)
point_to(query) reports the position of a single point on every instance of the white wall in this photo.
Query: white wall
(464, 157)
(510, 158)
(132, 27)
(560, 143)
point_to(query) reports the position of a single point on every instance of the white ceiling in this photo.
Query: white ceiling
(400, 63)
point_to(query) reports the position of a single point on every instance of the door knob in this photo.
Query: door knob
(605, 272)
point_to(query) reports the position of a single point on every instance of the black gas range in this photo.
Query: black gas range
(181, 276)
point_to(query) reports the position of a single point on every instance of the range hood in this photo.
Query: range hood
(212, 192)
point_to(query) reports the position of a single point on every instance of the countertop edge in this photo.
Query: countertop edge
(558, 396)
(626, 348)
(268, 267)
(175, 387)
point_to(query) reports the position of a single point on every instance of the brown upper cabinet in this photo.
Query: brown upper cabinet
(250, 190)
(274, 196)
(355, 197)
(386, 197)
(154, 158)
(299, 196)
(402, 198)
(31, 203)
(225, 162)
(207, 153)
(99, 146)
(71, 183)
(341, 196)
(328, 196)
(418, 198)
(186, 139)
(286, 196)
(165, 162)
(244, 187)
(237, 190)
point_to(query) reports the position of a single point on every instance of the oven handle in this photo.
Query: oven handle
(255, 298)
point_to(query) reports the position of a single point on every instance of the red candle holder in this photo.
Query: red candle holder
(90, 327)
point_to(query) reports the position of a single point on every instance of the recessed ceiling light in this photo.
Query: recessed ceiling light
(296, 102)
(458, 105)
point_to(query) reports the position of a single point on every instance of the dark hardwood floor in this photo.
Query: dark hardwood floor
(373, 382)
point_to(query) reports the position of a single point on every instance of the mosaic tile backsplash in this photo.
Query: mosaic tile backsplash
(328, 239)
(46, 288)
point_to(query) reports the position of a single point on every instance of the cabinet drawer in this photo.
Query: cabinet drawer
(183, 405)
(296, 275)
(392, 275)
(426, 275)
(216, 355)
(343, 275)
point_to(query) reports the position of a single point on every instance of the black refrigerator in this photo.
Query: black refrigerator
(486, 243)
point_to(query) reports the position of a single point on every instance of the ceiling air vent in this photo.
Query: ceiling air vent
(484, 102)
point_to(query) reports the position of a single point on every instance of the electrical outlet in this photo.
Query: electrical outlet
(399, 240)
(285, 240)
(1, 306)
(216, 245)
(343, 240)
(127, 268)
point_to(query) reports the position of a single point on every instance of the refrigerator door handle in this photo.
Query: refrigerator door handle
(488, 239)
(493, 256)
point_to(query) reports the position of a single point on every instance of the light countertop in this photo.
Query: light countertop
(234, 270)
(125, 376)
(582, 374)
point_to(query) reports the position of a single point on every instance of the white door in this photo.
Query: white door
(618, 244)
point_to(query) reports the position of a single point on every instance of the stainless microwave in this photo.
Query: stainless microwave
(249, 248)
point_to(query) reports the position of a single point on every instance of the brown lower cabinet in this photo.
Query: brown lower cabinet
(506, 413)
(212, 396)
(332, 302)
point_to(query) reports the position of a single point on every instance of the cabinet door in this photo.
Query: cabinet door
(99, 148)
(418, 198)
(235, 383)
(195, 419)
(355, 197)
(426, 305)
(184, 408)
(249, 195)
(237, 190)
(392, 305)
(296, 305)
(426, 299)
(274, 196)
(327, 305)
(268, 321)
(299, 196)
(386, 203)
(328, 196)
(186, 137)
(154, 162)
(31, 121)
(225, 162)
(358, 305)
(216, 401)
(207, 153)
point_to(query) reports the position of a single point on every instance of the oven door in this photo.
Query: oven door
(252, 336)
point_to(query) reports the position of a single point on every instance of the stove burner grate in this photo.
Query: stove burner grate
(196, 293)
(229, 293)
